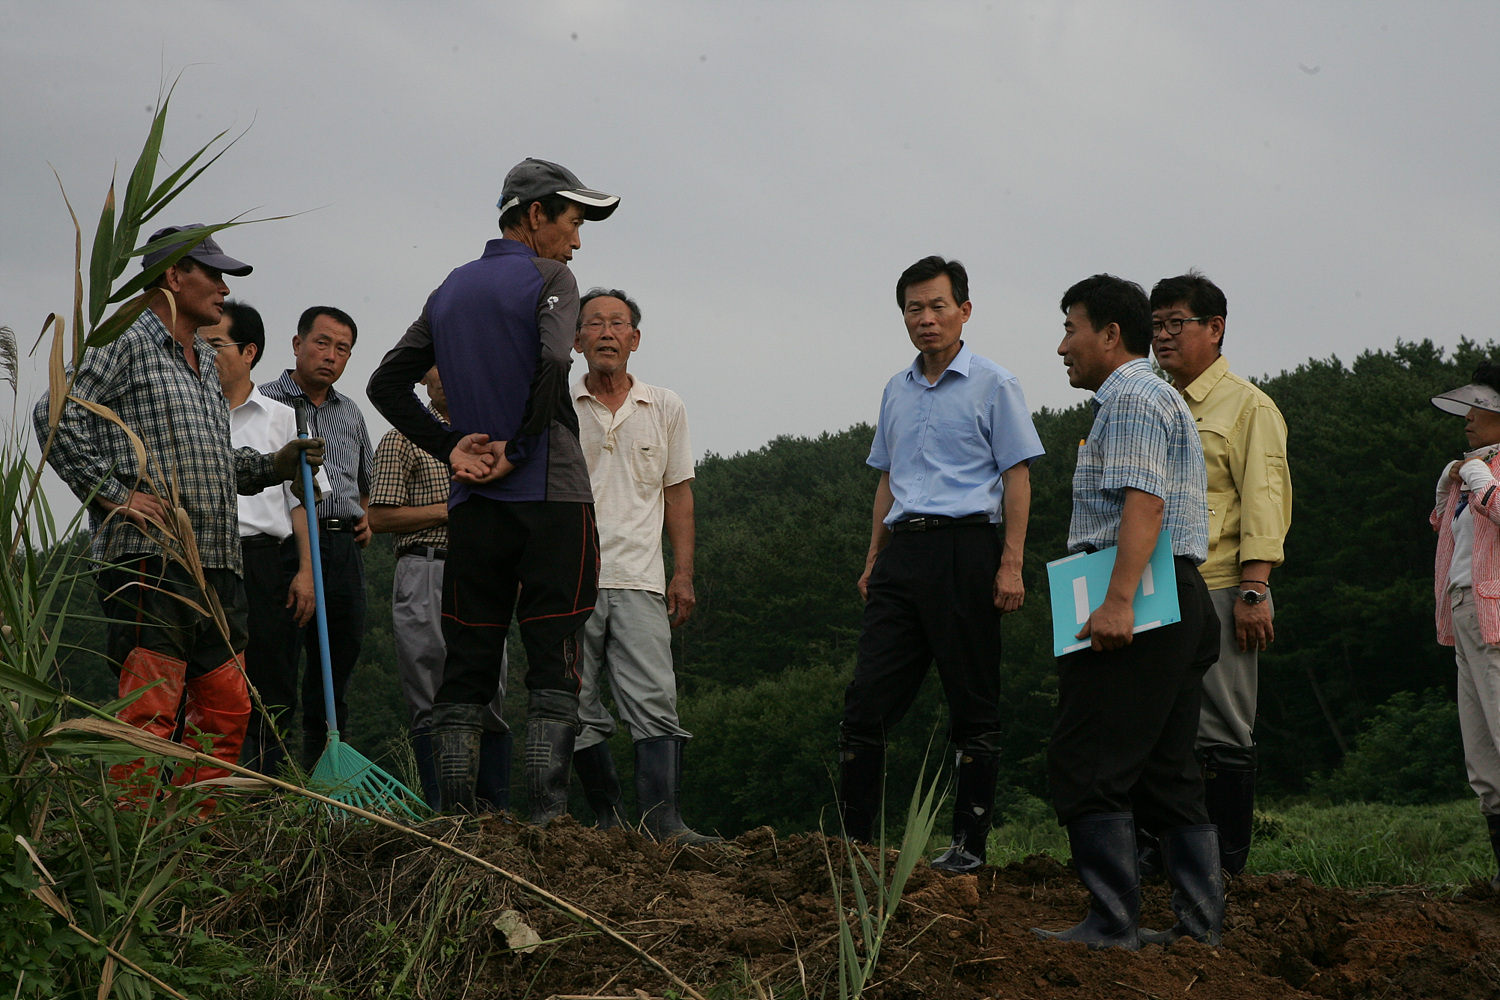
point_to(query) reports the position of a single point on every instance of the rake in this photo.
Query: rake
(342, 773)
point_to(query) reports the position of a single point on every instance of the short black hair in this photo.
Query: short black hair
(310, 316)
(1488, 373)
(599, 292)
(928, 268)
(246, 327)
(1202, 296)
(184, 265)
(553, 205)
(1108, 299)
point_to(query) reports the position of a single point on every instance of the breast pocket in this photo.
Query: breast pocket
(648, 462)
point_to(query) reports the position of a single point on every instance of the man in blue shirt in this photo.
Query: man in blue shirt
(520, 513)
(954, 445)
(1127, 706)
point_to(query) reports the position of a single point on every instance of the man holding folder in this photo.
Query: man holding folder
(1128, 705)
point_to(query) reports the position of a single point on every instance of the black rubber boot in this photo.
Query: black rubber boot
(456, 730)
(1104, 854)
(421, 749)
(1494, 824)
(492, 791)
(1229, 796)
(658, 791)
(973, 813)
(601, 784)
(861, 775)
(1191, 854)
(549, 765)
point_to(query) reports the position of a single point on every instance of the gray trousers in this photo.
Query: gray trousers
(417, 621)
(628, 638)
(1231, 685)
(1478, 701)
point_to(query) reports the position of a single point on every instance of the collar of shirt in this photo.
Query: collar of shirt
(255, 399)
(206, 352)
(1200, 387)
(958, 366)
(505, 245)
(637, 394)
(1108, 387)
(289, 385)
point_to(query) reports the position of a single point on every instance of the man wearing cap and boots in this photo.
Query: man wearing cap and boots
(954, 446)
(520, 511)
(410, 498)
(1250, 504)
(635, 438)
(160, 378)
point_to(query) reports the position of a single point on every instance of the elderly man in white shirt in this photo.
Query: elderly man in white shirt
(273, 539)
(635, 440)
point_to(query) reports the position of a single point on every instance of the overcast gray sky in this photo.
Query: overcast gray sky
(1331, 165)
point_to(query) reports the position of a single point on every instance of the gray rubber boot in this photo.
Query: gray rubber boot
(456, 731)
(658, 791)
(973, 809)
(1104, 853)
(601, 784)
(1191, 856)
(549, 765)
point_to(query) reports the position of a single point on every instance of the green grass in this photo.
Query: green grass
(1350, 846)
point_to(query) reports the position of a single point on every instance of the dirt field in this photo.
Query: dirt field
(760, 908)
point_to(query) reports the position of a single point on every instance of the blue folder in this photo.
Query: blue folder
(1079, 583)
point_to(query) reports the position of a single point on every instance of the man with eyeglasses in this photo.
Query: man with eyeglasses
(520, 512)
(635, 439)
(1250, 509)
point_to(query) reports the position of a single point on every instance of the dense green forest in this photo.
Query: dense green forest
(1355, 676)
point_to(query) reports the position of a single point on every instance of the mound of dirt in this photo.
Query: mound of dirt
(760, 908)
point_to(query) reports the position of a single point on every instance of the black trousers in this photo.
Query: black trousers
(931, 599)
(1127, 719)
(137, 597)
(275, 641)
(345, 600)
(537, 560)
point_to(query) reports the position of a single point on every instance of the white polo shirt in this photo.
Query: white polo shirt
(266, 425)
(633, 455)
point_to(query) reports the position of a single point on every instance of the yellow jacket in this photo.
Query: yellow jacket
(1249, 485)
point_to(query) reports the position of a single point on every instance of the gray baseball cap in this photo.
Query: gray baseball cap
(207, 252)
(1459, 401)
(532, 179)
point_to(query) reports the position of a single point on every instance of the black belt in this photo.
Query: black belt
(422, 550)
(931, 522)
(261, 541)
(336, 524)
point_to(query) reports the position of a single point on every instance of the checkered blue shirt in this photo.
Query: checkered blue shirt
(183, 420)
(1144, 438)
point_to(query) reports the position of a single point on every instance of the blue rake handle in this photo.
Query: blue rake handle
(320, 610)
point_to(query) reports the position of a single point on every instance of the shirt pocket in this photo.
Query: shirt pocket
(1220, 508)
(648, 462)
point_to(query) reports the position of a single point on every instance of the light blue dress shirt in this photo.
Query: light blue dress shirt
(945, 445)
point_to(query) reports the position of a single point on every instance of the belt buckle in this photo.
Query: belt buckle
(920, 523)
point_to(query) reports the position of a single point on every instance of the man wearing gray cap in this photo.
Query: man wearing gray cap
(160, 378)
(521, 520)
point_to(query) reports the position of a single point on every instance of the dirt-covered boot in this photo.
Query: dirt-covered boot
(1191, 855)
(549, 765)
(658, 791)
(1105, 855)
(601, 784)
(973, 808)
(456, 730)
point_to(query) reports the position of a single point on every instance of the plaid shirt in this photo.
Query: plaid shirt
(1144, 438)
(406, 476)
(181, 417)
(347, 450)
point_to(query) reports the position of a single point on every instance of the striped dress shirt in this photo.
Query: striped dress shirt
(347, 455)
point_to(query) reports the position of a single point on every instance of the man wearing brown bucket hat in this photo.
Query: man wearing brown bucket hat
(1466, 582)
(521, 528)
(160, 378)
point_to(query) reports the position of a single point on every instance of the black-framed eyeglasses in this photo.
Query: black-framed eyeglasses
(1173, 326)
